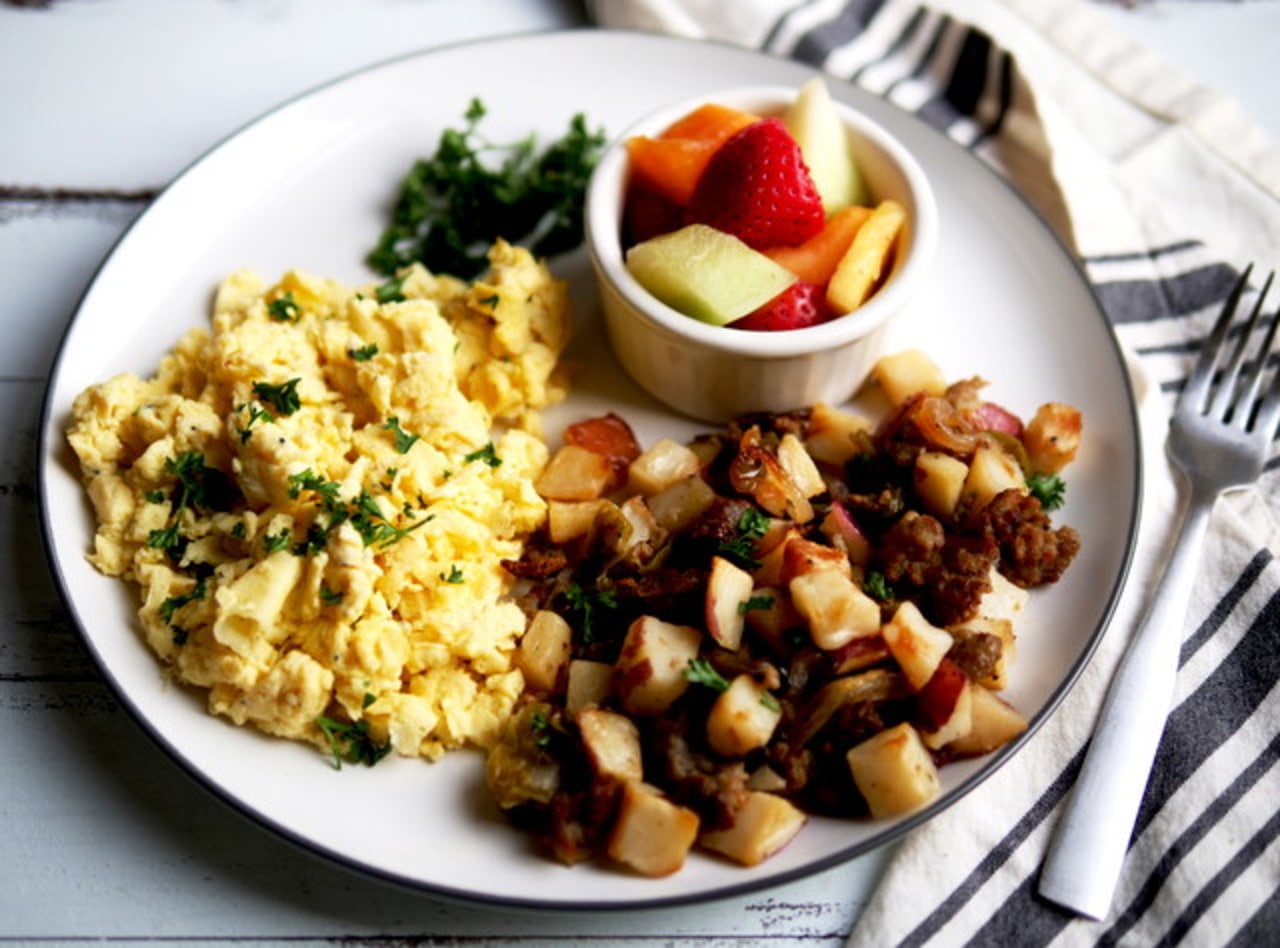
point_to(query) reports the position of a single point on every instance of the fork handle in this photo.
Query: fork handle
(1084, 859)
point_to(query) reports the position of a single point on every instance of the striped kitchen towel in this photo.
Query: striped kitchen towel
(1162, 188)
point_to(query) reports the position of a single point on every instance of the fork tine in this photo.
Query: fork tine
(1225, 404)
(1267, 419)
(1195, 394)
(1253, 382)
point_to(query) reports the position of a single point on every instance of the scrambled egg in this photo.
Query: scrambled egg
(314, 497)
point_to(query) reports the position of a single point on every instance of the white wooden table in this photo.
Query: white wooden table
(104, 837)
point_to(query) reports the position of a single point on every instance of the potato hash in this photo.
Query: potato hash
(801, 613)
(314, 496)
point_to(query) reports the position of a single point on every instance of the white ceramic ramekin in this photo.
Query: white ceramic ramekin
(714, 373)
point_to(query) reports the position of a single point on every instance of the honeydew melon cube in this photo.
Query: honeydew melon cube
(706, 273)
(816, 126)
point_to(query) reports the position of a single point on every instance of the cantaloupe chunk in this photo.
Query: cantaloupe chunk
(816, 259)
(672, 162)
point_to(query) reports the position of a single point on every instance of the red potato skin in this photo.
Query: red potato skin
(609, 435)
(937, 699)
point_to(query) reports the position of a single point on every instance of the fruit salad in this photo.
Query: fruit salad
(757, 222)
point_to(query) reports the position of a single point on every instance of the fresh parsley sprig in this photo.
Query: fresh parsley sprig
(453, 205)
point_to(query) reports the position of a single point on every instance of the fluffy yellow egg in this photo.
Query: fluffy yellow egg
(314, 495)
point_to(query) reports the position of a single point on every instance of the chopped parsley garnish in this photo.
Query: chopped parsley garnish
(751, 526)
(364, 353)
(487, 454)
(155, 496)
(541, 728)
(173, 603)
(309, 480)
(328, 596)
(876, 586)
(273, 542)
(453, 205)
(754, 604)
(283, 398)
(404, 440)
(198, 485)
(373, 527)
(586, 605)
(1049, 489)
(700, 672)
(350, 741)
(284, 309)
(491, 301)
(256, 414)
(390, 292)
(454, 576)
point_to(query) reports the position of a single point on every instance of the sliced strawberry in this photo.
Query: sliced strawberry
(647, 213)
(799, 305)
(757, 187)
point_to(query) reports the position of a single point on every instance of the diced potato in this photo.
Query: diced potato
(991, 471)
(917, 644)
(543, 653)
(773, 562)
(906, 373)
(1003, 600)
(798, 466)
(894, 771)
(1052, 437)
(994, 722)
(679, 504)
(575, 473)
(649, 673)
(728, 588)
(612, 741)
(762, 826)
(844, 533)
(833, 434)
(836, 609)
(666, 462)
(589, 684)
(743, 718)
(952, 710)
(1001, 628)
(569, 520)
(651, 834)
(802, 556)
(772, 617)
(939, 480)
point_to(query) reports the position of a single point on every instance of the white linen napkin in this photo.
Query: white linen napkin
(1163, 189)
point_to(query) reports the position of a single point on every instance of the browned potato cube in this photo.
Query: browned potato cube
(799, 467)
(574, 473)
(680, 503)
(651, 834)
(906, 373)
(612, 742)
(661, 466)
(834, 606)
(917, 644)
(991, 471)
(649, 674)
(543, 652)
(939, 480)
(894, 771)
(833, 435)
(589, 684)
(742, 718)
(993, 723)
(762, 826)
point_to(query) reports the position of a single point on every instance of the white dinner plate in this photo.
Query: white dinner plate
(309, 186)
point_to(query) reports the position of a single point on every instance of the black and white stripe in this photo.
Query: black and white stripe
(1207, 878)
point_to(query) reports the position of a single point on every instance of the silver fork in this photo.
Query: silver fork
(1220, 435)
